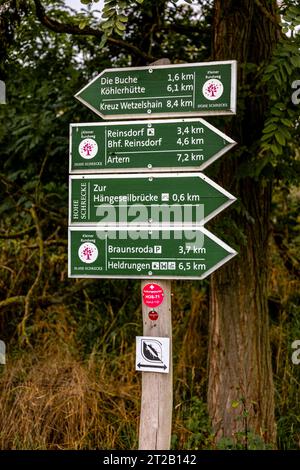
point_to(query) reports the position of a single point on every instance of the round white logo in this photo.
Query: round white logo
(212, 89)
(88, 148)
(88, 252)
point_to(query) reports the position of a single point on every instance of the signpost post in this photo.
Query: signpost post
(150, 220)
(157, 389)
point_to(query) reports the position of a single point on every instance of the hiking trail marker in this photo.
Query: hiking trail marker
(152, 354)
(153, 295)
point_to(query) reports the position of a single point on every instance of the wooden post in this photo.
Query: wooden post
(157, 388)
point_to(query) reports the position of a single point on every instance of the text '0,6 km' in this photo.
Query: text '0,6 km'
(163, 198)
(197, 89)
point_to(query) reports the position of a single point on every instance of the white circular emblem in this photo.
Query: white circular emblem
(212, 89)
(88, 148)
(88, 252)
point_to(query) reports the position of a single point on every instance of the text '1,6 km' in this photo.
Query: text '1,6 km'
(207, 88)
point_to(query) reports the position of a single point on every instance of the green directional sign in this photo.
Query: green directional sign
(197, 89)
(132, 252)
(163, 198)
(142, 146)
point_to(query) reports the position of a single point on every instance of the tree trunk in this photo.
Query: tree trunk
(240, 388)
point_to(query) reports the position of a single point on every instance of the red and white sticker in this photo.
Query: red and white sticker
(153, 295)
(153, 315)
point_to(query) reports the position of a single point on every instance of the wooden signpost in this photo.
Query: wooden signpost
(157, 389)
(138, 202)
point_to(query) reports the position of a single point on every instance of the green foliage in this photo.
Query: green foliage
(200, 435)
(123, 17)
(245, 439)
(175, 33)
(44, 71)
(255, 442)
(114, 17)
(281, 134)
(284, 302)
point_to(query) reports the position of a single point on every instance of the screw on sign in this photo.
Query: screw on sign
(153, 295)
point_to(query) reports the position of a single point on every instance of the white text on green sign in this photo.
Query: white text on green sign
(161, 145)
(197, 89)
(156, 199)
(175, 253)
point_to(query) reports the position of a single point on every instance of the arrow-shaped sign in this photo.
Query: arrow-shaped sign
(198, 89)
(162, 199)
(139, 253)
(161, 145)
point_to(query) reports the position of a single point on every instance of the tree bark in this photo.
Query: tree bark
(240, 388)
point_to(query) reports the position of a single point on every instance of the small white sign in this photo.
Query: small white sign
(152, 354)
(2, 92)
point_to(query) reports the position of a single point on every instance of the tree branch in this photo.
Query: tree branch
(38, 276)
(49, 243)
(11, 236)
(18, 299)
(187, 30)
(267, 14)
(69, 28)
(48, 299)
(56, 299)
